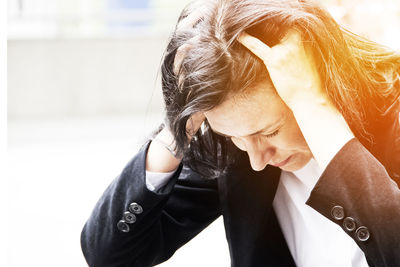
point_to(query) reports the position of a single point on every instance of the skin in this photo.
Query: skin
(277, 135)
(309, 125)
(295, 77)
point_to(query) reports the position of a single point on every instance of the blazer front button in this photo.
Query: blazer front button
(129, 217)
(337, 212)
(123, 226)
(135, 208)
(349, 224)
(362, 233)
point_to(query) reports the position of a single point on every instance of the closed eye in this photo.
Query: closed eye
(272, 134)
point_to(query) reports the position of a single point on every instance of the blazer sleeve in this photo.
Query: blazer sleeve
(163, 220)
(356, 192)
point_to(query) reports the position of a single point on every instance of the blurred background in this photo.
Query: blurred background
(83, 92)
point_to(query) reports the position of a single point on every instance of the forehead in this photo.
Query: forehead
(241, 115)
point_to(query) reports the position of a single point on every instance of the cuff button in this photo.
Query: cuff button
(362, 233)
(349, 224)
(129, 217)
(123, 226)
(135, 208)
(337, 212)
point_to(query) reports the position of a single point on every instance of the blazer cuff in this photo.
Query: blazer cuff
(356, 193)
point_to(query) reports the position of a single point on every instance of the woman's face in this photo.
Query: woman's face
(260, 123)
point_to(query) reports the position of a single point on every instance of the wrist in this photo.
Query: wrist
(160, 155)
(324, 129)
(166, 139)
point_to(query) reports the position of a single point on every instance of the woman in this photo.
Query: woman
(315, 110)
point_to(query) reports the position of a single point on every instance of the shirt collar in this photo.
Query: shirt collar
(309, 174)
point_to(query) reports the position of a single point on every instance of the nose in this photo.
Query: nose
(260, 151)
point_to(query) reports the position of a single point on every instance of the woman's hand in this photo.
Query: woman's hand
(291, 68)
(161, 156)
(295, 77)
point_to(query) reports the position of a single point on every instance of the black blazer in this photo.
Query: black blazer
(355, 184)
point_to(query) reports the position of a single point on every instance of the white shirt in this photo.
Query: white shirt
(156, 180)
(313, 240)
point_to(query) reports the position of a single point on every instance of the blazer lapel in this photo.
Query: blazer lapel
(252, 230)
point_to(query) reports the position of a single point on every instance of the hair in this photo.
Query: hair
(359, 76)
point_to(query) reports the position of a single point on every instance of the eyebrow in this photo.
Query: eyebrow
(252, 134)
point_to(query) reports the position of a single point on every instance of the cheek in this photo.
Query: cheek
(290, 137)
(294, 139)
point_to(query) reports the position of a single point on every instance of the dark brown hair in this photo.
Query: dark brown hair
(359, 76)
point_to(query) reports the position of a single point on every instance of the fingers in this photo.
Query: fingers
(186, 24)
(256, 46)
(292, 40)
(182, 52)
(190, 20)
(180, 55)
(194, 123)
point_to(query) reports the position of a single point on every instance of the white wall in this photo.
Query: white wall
(80, 77)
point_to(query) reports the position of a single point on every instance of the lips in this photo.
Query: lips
(282, 163)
